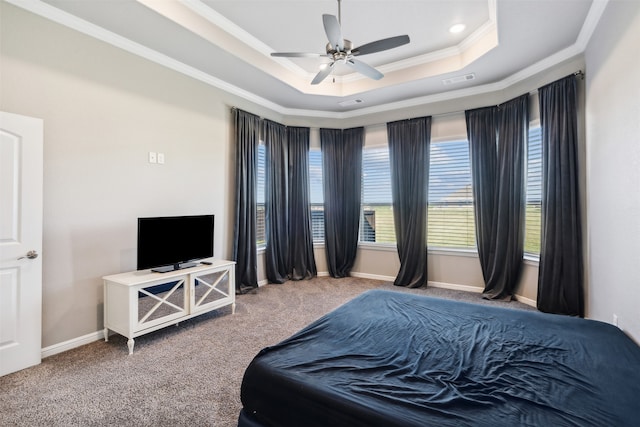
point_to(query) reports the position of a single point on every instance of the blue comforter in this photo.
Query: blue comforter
(398, 359)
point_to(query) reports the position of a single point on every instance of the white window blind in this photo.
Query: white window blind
(376, 220)
(533, 192)
(316, 196)
(260, 195)
(450, 219)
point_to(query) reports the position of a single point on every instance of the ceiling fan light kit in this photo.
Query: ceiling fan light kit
(341, 50)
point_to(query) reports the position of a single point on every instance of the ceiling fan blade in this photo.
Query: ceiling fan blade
(298, 55)
(380, 45)
(324, 72)
(333, 31)
(365, 69)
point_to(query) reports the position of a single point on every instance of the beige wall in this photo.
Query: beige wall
(613, 166)
(104, 110)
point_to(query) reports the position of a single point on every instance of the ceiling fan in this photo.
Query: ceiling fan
(341, 50)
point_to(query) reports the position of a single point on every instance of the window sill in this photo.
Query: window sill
(532, 260)
(471, 253)
(386, 247)
(391, 247)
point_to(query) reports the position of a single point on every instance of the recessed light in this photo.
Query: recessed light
(459, 79)
(350, 102)
(457, 28)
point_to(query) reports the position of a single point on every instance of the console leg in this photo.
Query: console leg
(233, 308)
(106, 334)
(130, 344)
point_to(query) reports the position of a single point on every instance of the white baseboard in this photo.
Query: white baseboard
(468, 288)
(455, 287)
(72, 343)
(99, 335)
(528, 301)
(444, 285)
(373, 276)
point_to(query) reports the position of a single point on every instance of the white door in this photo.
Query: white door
(21, 140)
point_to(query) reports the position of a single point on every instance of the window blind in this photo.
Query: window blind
(376, 220)
(260, 196)
(450, 218)
(316, 195)
(533, 192)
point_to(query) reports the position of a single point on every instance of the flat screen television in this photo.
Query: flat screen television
(172, 242)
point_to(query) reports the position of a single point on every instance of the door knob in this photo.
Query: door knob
(30, 255)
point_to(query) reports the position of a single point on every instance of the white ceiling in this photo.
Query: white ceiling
(227, 43)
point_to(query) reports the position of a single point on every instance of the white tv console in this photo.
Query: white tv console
(139, 302)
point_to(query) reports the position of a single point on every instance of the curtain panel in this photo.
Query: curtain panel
(301, 258)
(276, 201)
(289, 248)
(342, 183)
(560, 277)
(497, 143)
(247, 136)
(409, 142)
(482, 134)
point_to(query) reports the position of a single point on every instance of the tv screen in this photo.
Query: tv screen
(169, 243)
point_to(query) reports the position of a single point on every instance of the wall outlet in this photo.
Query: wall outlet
(161, 158)
(153, 157)
(615, 320)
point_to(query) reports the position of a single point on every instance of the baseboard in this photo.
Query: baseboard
(99, 335)
(528, 301)
(373, 276)
(319, 274)
(468, 288)
(72, 343)
(455, 287)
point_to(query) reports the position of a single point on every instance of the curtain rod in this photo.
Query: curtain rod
(579, 74)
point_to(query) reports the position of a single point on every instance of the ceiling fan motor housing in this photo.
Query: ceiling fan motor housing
(340, 55)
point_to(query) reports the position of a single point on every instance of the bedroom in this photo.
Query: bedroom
(104, 109)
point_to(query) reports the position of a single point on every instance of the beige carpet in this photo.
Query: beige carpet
(185, 375)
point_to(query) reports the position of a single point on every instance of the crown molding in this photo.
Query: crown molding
(56, 15)
(591, 22)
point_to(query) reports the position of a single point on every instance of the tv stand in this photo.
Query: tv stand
(139, 302)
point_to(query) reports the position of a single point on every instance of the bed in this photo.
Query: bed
(391, 358)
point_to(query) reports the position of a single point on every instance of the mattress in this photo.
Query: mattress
(398, 359)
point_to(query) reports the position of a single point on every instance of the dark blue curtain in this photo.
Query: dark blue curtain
(482, 134)
(247, 136)
(341, 175)
(289, 249)
(498, 185)
(560, 277)
(276, 202)
(409, 142)
(301, 258)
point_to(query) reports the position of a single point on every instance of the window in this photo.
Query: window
(450, 218)
(533, 193)
(316, 196)
(376, 221)
(261, 239)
